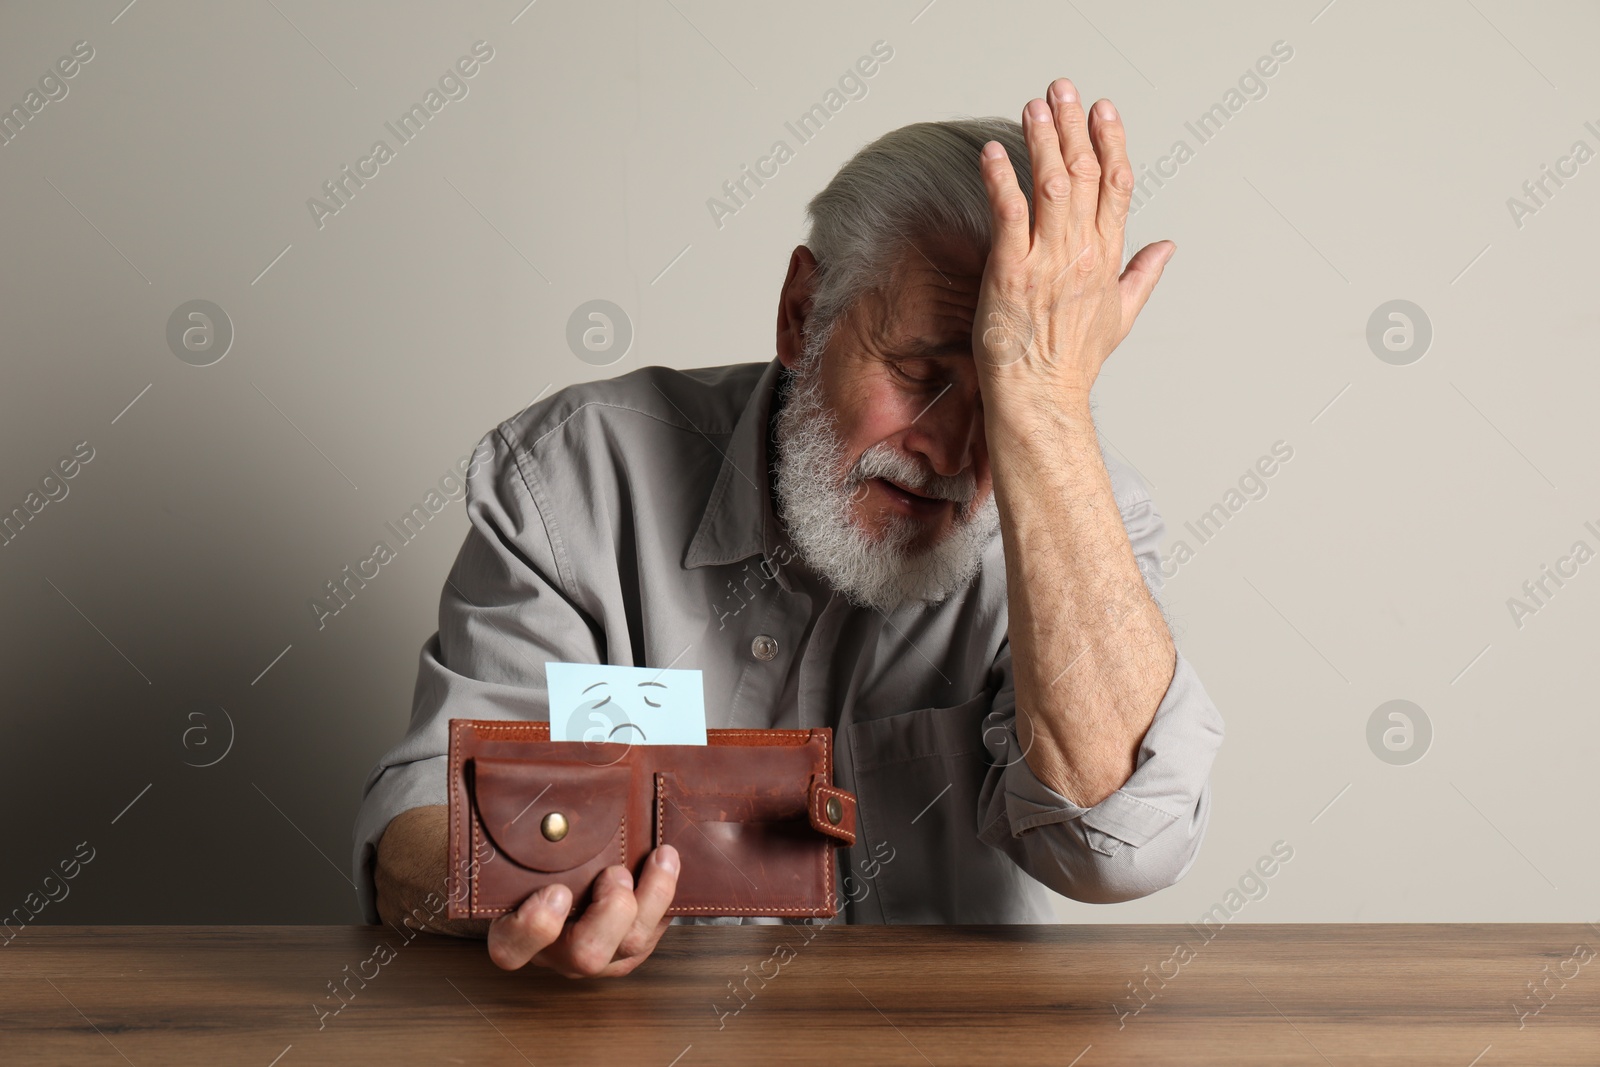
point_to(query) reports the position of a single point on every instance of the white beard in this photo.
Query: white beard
(815, 494)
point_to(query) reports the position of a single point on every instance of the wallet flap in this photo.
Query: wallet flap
(585, 806)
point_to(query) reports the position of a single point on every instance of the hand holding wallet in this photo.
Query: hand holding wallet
(753, 814)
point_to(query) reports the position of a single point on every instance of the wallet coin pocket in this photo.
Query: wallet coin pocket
(552, 816)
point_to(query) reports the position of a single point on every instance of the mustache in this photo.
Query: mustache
(882, 461)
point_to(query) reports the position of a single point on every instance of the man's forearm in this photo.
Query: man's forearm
(411, 873)
(1091, 653)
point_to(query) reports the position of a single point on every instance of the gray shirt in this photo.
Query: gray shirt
(630, 521)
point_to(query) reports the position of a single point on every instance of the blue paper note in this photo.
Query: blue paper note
(626, 705)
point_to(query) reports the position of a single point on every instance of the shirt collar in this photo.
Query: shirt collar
(739, 521)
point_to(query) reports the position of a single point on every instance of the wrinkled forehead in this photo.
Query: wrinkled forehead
(932, 293)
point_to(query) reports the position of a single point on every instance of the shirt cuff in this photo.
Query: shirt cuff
(1172, 768)
(399, 788)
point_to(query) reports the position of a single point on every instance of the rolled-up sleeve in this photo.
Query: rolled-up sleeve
(502, 615)
(1146, 835)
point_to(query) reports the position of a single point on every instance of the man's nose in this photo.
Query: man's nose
(946, 433)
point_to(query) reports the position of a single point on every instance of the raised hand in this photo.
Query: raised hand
(1053, 305)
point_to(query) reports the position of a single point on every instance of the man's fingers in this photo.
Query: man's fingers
(591, 942)
(1116, 175)
(1008, 208)
(657, 886)
(1083, 167)
(618, 929)
(1052, 187)
(518, 936)
(1139, 280)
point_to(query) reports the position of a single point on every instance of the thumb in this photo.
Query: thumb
(1139, 279)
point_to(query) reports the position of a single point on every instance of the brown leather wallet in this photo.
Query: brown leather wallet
(753, 814)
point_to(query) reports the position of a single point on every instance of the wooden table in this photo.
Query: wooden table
(1270, 995)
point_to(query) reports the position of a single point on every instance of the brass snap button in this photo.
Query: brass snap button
(554, 826)
(764, 647)
(834, 809)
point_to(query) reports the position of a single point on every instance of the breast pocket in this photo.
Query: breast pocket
(918, 777)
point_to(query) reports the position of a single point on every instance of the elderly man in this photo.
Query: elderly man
(902, 528)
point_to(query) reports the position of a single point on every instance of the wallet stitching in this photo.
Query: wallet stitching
(474, 852)
(454, 886)
(827, 852)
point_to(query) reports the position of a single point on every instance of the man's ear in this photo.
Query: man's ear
(794, 304)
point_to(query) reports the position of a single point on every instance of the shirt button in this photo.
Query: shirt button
(764, 647)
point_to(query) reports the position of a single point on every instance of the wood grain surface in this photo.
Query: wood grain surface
(1450, 995)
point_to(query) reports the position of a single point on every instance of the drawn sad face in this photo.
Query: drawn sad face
(614, 711)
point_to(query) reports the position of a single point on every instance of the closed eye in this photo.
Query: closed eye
(923, 380)
(917, 379)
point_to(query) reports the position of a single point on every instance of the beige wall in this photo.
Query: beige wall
(376, 350)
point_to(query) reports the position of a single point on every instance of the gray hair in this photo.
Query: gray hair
(918, 181)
